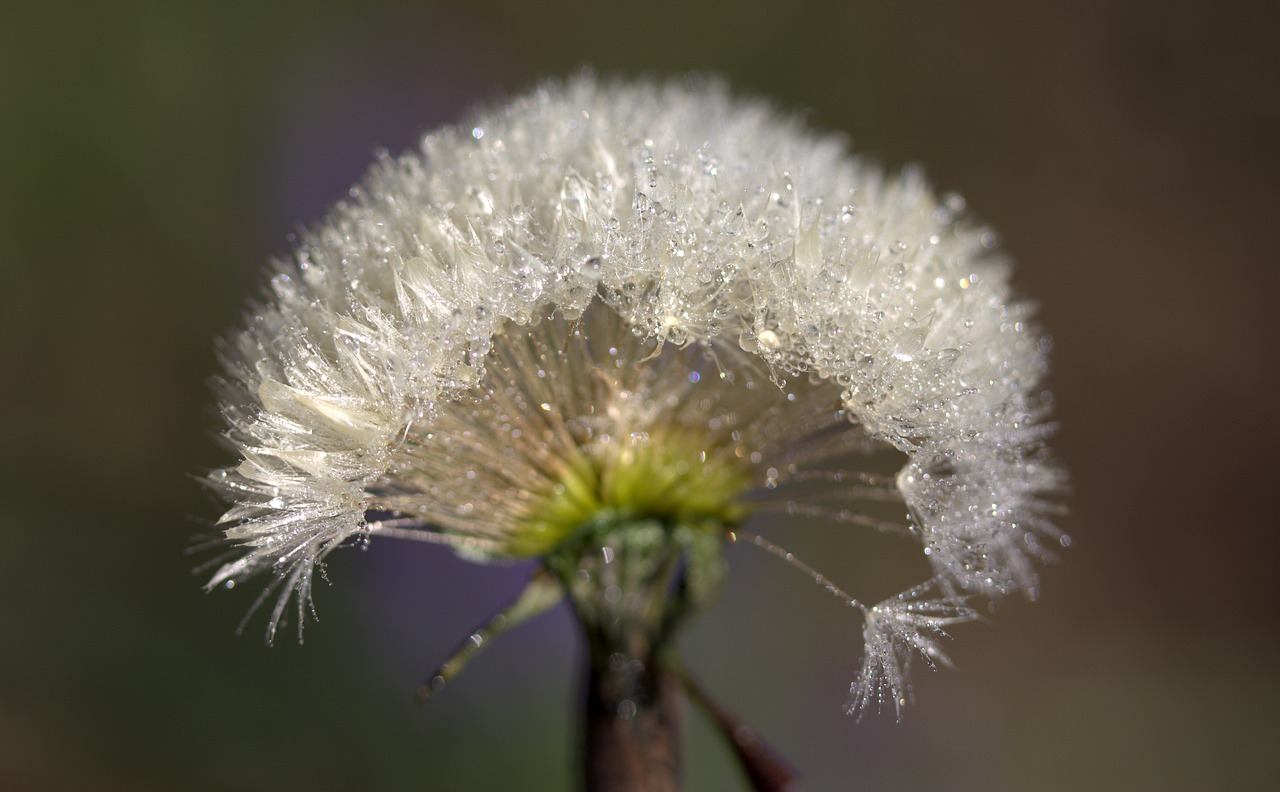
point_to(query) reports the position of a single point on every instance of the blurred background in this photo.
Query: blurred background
(154, 155)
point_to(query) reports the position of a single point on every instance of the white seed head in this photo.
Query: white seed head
(549, 309)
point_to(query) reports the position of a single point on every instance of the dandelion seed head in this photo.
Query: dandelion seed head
(654, 300)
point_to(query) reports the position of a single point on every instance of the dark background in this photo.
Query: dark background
(153, 155)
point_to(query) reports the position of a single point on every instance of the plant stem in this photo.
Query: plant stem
(634, 704)
(633, 584)
(765, 769)
(633, 727)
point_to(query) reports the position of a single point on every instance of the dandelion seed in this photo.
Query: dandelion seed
(896, 631)
(603, 326)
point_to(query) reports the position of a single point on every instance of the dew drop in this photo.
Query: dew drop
(590, 268)
(734, 223)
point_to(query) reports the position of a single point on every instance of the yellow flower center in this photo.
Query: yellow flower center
(670, 478)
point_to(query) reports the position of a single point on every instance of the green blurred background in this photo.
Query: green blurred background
(153, 155)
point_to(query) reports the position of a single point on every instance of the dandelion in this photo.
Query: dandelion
(612, 326)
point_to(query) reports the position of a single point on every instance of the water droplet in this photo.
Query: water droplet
(733, 223)
(590, 268)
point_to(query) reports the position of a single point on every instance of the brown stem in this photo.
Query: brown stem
(633, 727)
(765, 769)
